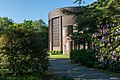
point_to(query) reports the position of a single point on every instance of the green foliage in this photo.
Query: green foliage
(106, 40)
(27, 77)
(23, 49)
(114, 66)
(78, 1)
(55, 52)
(85, 57)
(100, 24)
(33, 76)
(4, 22)
(90, 58)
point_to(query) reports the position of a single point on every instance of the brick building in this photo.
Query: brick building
(60, 30)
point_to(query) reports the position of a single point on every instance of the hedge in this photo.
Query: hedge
(89, 57)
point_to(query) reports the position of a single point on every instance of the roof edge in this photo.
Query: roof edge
(63, 7)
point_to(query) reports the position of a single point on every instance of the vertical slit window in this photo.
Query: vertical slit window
(56, 32)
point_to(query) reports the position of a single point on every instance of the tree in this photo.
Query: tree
(78, 1)
(22, 49)
(5, 22)
(100, 23)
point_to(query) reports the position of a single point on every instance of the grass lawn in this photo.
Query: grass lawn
(59, 56)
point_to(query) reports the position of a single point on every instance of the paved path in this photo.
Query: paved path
(63, 67)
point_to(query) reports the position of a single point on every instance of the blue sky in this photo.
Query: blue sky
(20, 10)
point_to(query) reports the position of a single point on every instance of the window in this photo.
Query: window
(56, 32)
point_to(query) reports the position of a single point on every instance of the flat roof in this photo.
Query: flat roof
(64, 7)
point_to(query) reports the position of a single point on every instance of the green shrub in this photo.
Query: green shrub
(85, 57)
(114, 66)
(33, 76)
(90, 58)
(55, 52)
(22, 50)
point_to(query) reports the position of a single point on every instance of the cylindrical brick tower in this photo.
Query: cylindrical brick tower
(60, 29)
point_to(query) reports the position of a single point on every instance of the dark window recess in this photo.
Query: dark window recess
(56, 32)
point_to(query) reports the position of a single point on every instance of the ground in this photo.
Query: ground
(65, 68)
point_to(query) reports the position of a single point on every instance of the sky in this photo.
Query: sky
(20, 10)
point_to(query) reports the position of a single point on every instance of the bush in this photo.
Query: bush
(55, 52)
(33, 76)
(85, 57)
(22, 50)
(114, 66)
(91, 58)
